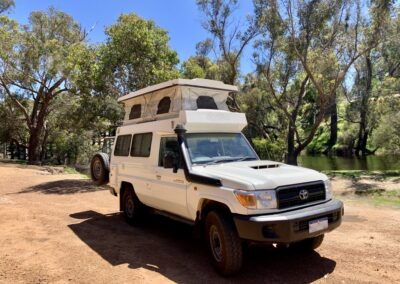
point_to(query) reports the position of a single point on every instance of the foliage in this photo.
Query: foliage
(305, 51)
(38, 62)
(5, 5)
(267, 150)
(58, 93)
(136, 54)
(200, 67)
(12, 123)
(230, 41)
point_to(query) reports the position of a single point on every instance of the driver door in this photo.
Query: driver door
(169, 189)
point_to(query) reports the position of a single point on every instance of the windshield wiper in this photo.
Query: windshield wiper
(246, 158)
(220, 161)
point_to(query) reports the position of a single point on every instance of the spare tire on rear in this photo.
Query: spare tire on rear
(100, 168)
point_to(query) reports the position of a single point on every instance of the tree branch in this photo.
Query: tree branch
(16, 102)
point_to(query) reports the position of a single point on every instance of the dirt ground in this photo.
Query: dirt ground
(58, 228)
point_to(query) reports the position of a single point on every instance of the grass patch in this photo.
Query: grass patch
(9, 161)
(380, 197)
(388, 198)
(70, 170)
(357, 174)
(73, 171)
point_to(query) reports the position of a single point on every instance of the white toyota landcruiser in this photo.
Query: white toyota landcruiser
(181, 153)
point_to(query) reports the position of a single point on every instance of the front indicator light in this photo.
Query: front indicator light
(265, 199)
(248, 200)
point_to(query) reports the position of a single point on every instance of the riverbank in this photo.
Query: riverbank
(336, 163)
(380, 188)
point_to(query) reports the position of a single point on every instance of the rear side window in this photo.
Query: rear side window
(141, 145)
(122, 145)
(164, 105)
(136, 111)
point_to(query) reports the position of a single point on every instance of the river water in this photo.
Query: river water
(371, 163)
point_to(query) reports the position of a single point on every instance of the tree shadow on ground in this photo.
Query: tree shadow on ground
(66, 186)
(365, 189)
(170, 248)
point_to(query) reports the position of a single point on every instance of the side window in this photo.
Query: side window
(164, 105)
(136, 111)
(141, 145)
(168, 145)
(122, 145)
(206, 102)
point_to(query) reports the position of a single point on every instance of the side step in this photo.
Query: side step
(174, 217)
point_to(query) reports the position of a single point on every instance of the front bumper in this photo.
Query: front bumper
(288, 226)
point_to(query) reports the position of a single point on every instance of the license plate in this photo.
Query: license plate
(318, 225)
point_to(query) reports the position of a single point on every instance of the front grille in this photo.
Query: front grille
(303, 225)
(288, 196)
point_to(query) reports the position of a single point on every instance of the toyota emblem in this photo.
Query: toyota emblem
(303, 194)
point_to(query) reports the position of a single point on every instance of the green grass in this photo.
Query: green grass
(357, 174)
(387, 198)
(70, 170)
(73, 171)
(9, 161)
(380, 197)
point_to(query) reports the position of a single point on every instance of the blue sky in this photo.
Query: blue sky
(181, 18)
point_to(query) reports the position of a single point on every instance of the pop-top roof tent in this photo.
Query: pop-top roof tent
(167, 99)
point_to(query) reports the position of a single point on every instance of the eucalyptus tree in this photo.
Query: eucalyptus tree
(40, 61)
(229, 37)
(136, 54)
(306, 50)
(375, 77)
(5, 5)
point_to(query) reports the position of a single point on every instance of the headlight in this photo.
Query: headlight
(328, 189)
(265, 199)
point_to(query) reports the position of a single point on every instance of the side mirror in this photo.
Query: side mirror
(171, 162)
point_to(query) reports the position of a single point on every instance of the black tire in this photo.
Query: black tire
(224, 244)
(134, 211)
(100, 169)
(310, 244)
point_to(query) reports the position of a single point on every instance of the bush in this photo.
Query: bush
(269, 150)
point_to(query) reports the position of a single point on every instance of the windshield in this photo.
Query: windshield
(210, 148)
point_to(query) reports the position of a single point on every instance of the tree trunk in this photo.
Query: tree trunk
(291, 158)
(363, 131)
(35, 135)
(292, 152)
(34, 146)
(43, 153)
(333, 127)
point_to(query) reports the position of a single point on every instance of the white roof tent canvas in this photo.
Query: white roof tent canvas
(167, 99)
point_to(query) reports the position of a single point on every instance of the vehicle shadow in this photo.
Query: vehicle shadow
(170, 248)
(66, 186)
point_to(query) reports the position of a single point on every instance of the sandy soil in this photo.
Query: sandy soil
(59, 228)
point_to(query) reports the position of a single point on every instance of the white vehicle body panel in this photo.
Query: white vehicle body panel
(165, 190)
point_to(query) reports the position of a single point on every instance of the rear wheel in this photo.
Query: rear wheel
(134, 210)
(100, 168)
(224, 243)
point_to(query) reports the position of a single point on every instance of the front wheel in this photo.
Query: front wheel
(224, 243)
(134, 210)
